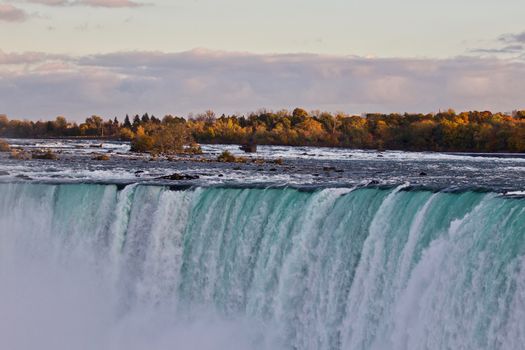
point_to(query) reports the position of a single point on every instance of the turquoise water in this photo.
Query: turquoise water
(92, 267)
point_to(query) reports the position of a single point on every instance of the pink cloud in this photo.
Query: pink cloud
(9, 13)
(92, 3)
(110, 3)
(179, 83)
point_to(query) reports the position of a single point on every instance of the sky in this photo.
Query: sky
(115, 57)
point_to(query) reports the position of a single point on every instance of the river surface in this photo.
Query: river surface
(301, 166)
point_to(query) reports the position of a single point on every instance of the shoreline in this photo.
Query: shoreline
(520, 155)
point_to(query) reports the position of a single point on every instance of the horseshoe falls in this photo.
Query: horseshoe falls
(86, 266)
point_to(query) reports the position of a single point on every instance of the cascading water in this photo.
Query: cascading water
(91, 267)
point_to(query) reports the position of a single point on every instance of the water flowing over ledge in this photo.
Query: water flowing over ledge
(95, 266)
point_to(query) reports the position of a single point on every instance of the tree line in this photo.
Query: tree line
(471, 131)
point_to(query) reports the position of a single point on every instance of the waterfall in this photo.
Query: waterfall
(85, 266)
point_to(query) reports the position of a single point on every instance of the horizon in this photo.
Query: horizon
(311, 112)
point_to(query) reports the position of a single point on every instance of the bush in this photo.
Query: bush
(173, 138)
(141, 143)
(194, 148)
(101, 157)
(227, 157)
(126, 134)
(48, 154)
(4, 146)
(20, 155)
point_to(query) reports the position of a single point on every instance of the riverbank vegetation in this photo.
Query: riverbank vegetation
(227, 157)
(4, 146)
(473, 131)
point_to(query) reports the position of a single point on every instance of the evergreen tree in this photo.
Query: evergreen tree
(136, 122)
(127, 123)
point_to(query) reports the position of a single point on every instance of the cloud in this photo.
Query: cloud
(509, 49)
(27, 58)
(92, 3)
(513, 38)
(509, 45)
(10, 13)
(50, 2)
(42, 86)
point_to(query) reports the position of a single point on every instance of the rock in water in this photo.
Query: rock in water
(179, 177)
(249, 148)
